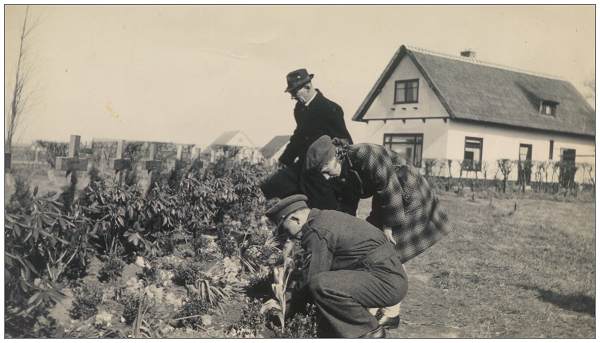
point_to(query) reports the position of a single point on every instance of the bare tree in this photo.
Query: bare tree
(18, 102)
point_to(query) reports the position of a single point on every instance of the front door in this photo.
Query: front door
(525, 164)
(567, 167)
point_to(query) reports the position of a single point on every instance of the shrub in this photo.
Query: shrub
(193, 308)
(301, 325)
(111, 269)
(251, 322)
(87, 299)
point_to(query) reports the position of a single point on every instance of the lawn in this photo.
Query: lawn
(502, 273)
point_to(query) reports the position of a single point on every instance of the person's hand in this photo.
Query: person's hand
(388, 234)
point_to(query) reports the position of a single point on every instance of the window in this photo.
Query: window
(548, 108)
(406, 92)
(409, 146)
(551, 150)
(473, 153)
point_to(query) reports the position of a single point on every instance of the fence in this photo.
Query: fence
(541, 176)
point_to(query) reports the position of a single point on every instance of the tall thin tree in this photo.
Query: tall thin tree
(18, 102)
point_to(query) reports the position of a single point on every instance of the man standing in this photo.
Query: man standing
(315, 116)
(352, 267)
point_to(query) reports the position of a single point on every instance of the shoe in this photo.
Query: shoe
(378, 332)
(389, 322)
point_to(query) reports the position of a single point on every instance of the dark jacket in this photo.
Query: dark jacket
(338, 241)
(321, 117)
(402, 198)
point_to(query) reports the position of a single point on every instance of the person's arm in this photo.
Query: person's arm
(336, 125)
(319, 252)
(387, 203)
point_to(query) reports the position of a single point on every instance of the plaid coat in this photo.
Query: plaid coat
(402, 197)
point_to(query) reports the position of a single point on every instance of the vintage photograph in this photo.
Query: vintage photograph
(299, 171)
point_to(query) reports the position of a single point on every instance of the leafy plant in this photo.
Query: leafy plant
(251, 322)
(87, 299)
(302, 324)
(111, 269)
(192, 311)
(281, 275)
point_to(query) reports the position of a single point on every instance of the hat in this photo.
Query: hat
(297, 79)
(285, 207)
(319, 152)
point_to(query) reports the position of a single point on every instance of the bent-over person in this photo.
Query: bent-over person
(403, 204)
(352, 267)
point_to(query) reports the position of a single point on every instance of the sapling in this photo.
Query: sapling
(281, 276)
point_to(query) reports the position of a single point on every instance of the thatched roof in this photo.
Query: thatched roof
(474, 91)
(274, 145)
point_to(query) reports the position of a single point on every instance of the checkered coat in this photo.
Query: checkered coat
(402, 197)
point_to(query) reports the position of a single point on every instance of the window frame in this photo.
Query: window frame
(553, 105)
(406, 135)
(472, 167)
(407, 81)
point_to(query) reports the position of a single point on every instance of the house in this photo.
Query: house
(272, 150)
(427, 105)
(232, 144)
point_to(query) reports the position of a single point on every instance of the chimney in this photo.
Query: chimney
(468, 53)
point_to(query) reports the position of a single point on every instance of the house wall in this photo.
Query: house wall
(499, 143)
(428, 103)
(434, 134)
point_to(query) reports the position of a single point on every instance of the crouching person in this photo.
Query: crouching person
(352, 267)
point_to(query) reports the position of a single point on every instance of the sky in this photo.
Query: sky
(185, 74)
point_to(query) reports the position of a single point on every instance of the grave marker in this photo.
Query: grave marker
(120, 164)
(72, 163)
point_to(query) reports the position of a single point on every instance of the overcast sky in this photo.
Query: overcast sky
(187, 73)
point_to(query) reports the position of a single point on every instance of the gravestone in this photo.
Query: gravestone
(152, 165)
(119, 164)
(70, 165)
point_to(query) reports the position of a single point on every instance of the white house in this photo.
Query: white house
(273, 150)
(234, 144)
(427, 105)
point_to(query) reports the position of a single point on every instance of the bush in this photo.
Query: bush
(87, 299)
(193, 307)
(111, 269)
(251, 323)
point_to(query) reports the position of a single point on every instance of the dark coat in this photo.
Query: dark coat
(321, 117)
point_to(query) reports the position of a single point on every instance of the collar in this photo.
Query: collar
(313, 213)
(311, 99)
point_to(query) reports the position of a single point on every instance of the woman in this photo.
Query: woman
(403, 204)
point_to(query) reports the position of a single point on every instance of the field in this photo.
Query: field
(194, 258)
(528, 273)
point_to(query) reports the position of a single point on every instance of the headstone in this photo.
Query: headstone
(119, 164)
(71, 164)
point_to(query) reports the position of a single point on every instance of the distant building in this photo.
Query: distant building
(232, 144)
(272, 150)
(427, 105)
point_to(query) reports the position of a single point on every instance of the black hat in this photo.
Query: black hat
(285, 207)
(319, 152)
(297, 79)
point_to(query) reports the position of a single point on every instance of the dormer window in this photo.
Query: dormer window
(406, 92)
(548, 108)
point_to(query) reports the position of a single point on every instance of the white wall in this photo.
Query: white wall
(434, 134)
(499, 143)
(428, 104)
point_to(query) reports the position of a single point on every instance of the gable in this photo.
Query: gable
(427, 105)
(485, 94)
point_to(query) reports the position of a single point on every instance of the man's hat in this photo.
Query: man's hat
(297, 79)
(319, 152)
(285, 207)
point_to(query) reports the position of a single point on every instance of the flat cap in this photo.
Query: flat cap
(285, 206)
(319, 153)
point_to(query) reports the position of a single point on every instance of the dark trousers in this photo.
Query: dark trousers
(292, 180)
(344, 296)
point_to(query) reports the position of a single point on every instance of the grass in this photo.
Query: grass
(528, 273)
